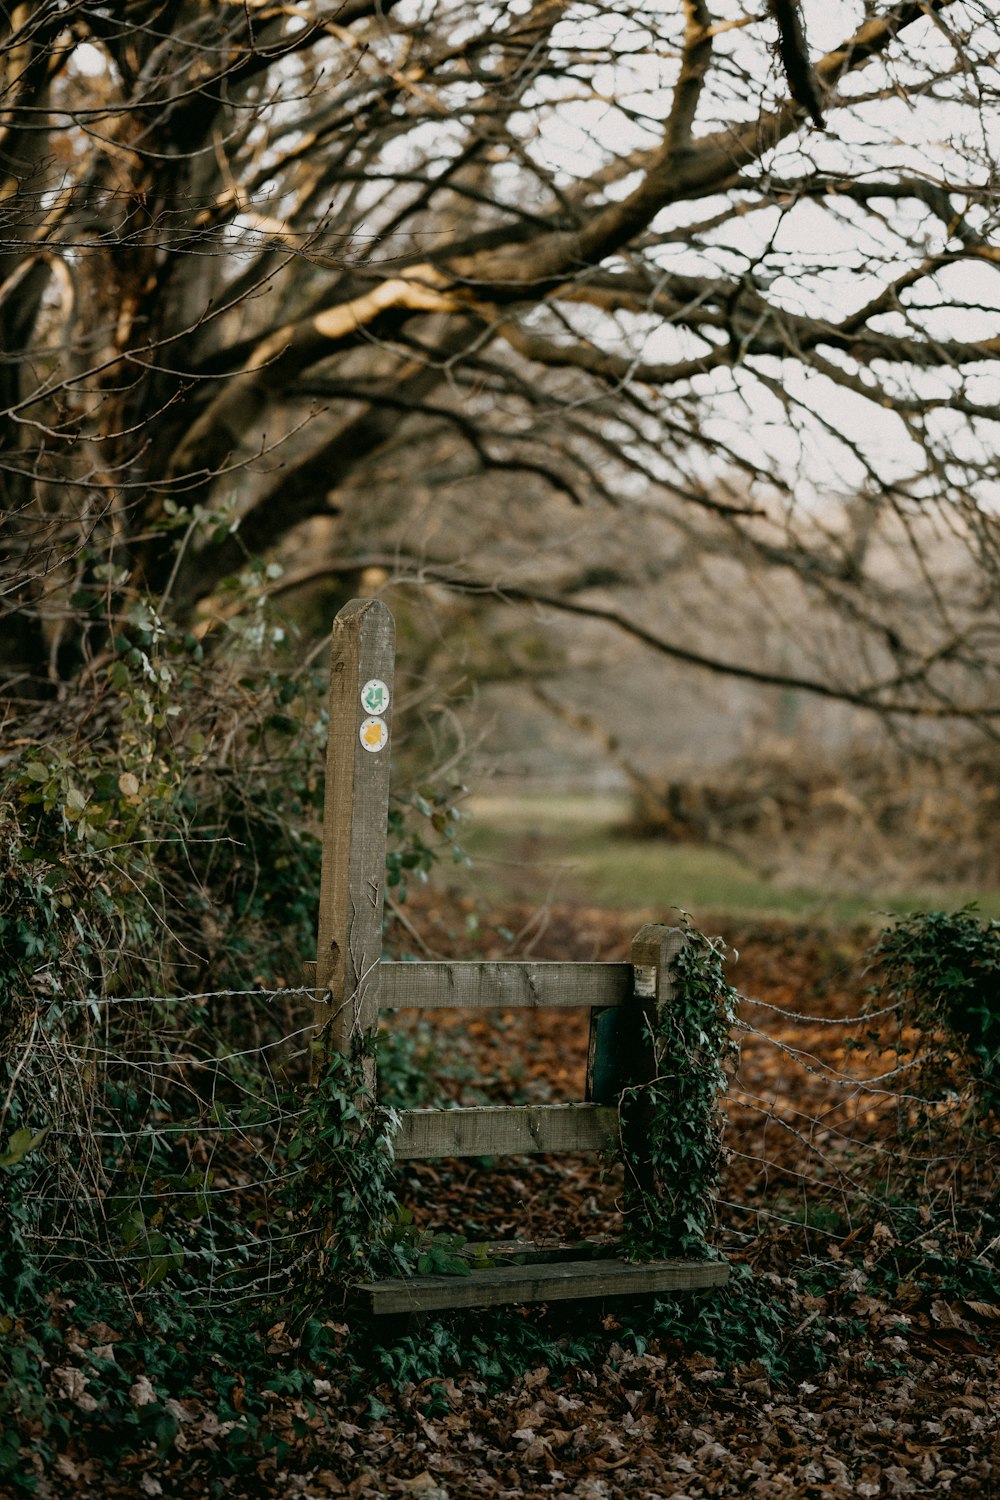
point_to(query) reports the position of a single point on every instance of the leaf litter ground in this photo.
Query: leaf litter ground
(880, 1378)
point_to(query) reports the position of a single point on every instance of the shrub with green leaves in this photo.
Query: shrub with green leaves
(944, 968)
(160, 837)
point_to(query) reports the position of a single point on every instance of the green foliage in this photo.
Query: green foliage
(162, 833)
(22, 1283)
(20, 1144)
(137, 831)
(346, 1189)
(99, 1351)
(406, 1062)
(411, 853)
(676, 1117)
(160, 837)
(22, 1280)
(343, 1145)
(413, 1073)
(945, 970)
(434, 1254)
(750, 1318)
(173, 845)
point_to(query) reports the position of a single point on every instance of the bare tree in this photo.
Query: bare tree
(562, 300)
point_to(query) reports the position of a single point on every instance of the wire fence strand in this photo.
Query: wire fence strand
(169, 1136)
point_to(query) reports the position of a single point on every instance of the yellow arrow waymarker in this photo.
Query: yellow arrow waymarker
(374, 734)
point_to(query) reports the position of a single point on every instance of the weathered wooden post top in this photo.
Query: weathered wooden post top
(359, 984)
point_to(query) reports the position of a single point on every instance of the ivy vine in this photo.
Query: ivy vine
(344, 1149)
(672, 1125)
(944, 969)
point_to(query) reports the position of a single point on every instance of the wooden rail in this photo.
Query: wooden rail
(505, 1130)
(502, 986)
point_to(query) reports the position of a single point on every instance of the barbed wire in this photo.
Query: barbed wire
(199, 1192)
(796, 1015)
(97, 1253)
(833, 1075)
(149, 1131)
(320, 996)
(764, 1107)
(90, 1051)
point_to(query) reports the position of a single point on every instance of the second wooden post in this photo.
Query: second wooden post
(654, 949)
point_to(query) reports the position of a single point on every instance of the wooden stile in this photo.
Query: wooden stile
(621, 998)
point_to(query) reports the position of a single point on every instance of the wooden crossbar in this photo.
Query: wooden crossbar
(505, 1130)
(502, 986)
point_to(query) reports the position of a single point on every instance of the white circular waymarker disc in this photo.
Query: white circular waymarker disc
(375, 696)
(374, 734)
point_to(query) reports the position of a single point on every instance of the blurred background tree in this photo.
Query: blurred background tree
(569, 306)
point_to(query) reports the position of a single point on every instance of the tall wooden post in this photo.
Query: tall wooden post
(654, 949)
(354, 826)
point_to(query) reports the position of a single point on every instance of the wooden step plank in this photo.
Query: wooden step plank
(539, 1252)
(505, 1130)
(502, 986)
(565, 1281)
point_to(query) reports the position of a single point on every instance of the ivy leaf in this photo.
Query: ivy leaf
(453, 1265)
(19, 1145)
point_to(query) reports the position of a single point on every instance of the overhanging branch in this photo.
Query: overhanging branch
(420, 572)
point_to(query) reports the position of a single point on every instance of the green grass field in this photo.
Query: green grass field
(537, 847)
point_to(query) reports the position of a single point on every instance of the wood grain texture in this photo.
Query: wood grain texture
(505, 1130)
(503, 986)
(561, 1282)
(355, 813)
(654, 949)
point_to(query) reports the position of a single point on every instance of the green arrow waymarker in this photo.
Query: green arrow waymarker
(375, 696)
